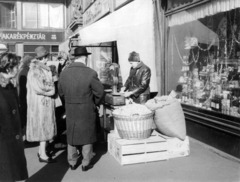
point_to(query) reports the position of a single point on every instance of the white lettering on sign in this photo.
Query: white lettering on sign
(96, 11)
(22, 36)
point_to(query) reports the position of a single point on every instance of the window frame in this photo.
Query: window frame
(15, 3)
(49, 28)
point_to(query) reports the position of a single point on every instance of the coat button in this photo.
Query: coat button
(14, 111)
(17, 137)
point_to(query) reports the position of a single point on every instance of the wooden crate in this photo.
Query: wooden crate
(176, 147)
(137, 151)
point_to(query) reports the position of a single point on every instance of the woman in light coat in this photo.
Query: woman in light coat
(41, 122)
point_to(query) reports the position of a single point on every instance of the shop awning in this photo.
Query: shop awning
(132, 28)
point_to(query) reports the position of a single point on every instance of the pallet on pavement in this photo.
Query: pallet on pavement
(126, 152)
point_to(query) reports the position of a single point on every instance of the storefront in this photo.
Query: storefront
(128, 29)
(202, 53)
(26, 25)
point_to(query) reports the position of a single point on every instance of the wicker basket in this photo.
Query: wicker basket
(134, 127)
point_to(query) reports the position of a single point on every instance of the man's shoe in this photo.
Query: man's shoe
(73, 167)
(86, 168)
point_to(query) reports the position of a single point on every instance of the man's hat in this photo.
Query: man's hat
(41, 52)
(80, 51)
(134, 57)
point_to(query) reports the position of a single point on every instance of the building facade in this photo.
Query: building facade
(26, 24)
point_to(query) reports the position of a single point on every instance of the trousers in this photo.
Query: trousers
(87, 153)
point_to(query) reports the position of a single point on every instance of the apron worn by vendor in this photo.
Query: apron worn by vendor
(138, 83)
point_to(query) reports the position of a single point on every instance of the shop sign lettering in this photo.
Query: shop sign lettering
(95, 11)
(18, 36)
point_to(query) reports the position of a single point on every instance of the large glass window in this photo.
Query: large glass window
(204, 58)
(42, 16)
(7, 15)
(30, 49)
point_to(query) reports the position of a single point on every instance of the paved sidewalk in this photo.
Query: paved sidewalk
(202, 165)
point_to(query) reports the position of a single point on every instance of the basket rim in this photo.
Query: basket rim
(122, 116)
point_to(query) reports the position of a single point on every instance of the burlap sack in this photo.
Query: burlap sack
(169, 117)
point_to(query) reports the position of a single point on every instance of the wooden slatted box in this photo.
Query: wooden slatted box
(176, 147)
(137, 151)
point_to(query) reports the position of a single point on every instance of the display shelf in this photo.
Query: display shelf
(227, 61)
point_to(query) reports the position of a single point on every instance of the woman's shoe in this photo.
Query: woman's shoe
(86, 168)
(48, 160)
(49, 155)
(73, 167)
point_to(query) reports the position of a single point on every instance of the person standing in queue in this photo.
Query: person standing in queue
(13, 165)
(136, 86)
(41, 121)
(82, 91)
(22, 88)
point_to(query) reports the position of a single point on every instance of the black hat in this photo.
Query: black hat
(41, 52)
(79, 51)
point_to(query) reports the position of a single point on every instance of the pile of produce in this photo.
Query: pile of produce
(132, 109)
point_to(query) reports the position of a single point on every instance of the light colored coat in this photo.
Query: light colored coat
(41, 122)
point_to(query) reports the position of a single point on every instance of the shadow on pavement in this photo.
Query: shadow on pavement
(52, 172)
(30, 144)
(55, 172)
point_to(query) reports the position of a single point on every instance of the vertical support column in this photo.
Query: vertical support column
(19, 49)
(19, 45)
(104, 122)
(19, 15)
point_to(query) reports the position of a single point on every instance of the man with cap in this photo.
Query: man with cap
(82, 91)
(136, 86)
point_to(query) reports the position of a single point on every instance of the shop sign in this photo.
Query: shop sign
(98, 9)
(120, 2)
(28, 36)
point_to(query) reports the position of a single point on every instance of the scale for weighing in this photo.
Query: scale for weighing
(114, 98)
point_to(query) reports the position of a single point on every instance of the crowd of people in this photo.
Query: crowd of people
(35, 93)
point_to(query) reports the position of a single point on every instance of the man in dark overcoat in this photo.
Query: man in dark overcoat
(82, 91)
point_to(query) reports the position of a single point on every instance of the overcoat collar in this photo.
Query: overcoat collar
(77, 64)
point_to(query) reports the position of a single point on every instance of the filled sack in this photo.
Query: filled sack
(169, 117)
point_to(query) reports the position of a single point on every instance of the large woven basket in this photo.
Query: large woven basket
(134, 127)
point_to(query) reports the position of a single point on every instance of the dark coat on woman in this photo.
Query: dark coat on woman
(22, 93)
(13, 166)
(138, 82)
(82, 91)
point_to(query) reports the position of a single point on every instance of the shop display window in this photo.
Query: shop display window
(203, 53)
(100, 60)
(30, 50)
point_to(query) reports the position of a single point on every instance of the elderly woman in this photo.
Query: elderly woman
(13, 166)
(41, 121)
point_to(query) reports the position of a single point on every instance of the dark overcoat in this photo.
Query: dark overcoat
(22, 94)
(82, 91)
(13, 166)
